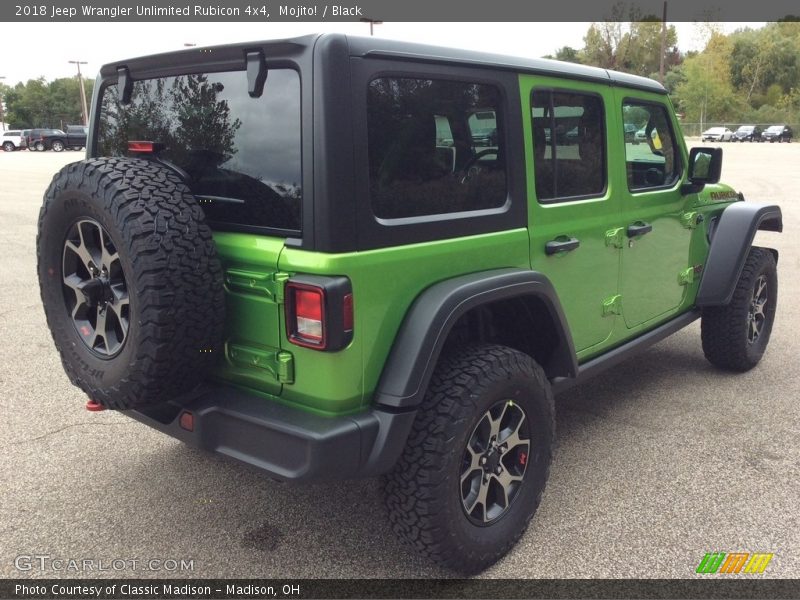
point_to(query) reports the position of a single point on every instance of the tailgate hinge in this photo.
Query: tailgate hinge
(279, 363)
(270, 285)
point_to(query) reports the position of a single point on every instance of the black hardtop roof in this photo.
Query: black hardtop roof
(379, 47)
(370, 46)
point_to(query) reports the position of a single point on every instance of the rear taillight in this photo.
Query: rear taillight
(308, 309)
(319, 312)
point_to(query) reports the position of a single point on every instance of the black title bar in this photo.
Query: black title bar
(392, 10)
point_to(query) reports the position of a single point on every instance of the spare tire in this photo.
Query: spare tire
(130, 280)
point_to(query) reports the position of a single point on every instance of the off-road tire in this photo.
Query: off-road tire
(170, 266)
(423, 492)
(725, 330)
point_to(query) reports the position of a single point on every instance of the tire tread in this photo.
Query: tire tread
(415, 489)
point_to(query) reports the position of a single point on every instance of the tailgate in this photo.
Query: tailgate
(254, 305)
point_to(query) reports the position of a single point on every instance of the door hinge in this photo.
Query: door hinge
(690, 220)
(278, 363)
(616, 237)
(612, 306)
(686, 277)
(258, 283)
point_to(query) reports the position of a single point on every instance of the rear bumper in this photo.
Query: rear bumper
(286, 443)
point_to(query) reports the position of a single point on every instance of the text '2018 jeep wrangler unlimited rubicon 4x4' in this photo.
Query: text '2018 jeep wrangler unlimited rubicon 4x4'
(295, 253)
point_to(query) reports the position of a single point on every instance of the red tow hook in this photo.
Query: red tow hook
(93, 406)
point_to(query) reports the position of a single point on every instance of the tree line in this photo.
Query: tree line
(38, 103)
(750, 75)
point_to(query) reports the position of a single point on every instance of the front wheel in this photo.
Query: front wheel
(735, 336)
(477, 460)
(57, 146)
(8, 147)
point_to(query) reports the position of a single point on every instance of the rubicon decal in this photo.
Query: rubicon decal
(734, 562)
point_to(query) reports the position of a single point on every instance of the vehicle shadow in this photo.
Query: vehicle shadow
(255, 527)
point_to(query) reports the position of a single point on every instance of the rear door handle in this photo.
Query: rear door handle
(639, 228)
(561, 245)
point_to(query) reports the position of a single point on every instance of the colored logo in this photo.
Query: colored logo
(734, 562)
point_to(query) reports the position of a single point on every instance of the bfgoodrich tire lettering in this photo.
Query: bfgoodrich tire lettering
(171, 272)
(735, 336)
(425, 492)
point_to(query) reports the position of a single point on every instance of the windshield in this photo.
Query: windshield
(241, 154)
(745, 129)
(775, 129)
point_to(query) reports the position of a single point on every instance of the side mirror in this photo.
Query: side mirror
(705, 166)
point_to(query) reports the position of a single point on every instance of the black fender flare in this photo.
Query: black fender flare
(428, 322)
(730, 244)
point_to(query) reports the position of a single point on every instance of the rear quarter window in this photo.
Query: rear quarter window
(435, 147)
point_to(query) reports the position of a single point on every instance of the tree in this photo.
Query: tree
(603, 45)
(643, 56)
(41, 104)
(633, 47)
(707, 94)
(568, 54)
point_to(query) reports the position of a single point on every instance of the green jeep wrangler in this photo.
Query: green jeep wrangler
(333, 257)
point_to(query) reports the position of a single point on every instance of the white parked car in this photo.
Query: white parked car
(13, 140)
(717, 134)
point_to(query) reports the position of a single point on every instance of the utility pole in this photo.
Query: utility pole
(371, 23)
(83, 90)
(663, 44)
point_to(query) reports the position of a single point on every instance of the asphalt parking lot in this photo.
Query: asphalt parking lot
(658, 461)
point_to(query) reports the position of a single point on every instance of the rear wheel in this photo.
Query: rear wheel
(735, 336)
(39, 146)
(57, 145)
(477, 460)
(8, 147)
(130, 281)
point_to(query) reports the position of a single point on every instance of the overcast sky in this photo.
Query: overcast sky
(26, 56)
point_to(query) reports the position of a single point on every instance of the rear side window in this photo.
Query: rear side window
(435, 147)
(241, 154)
(569, 145)
(10, 133)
